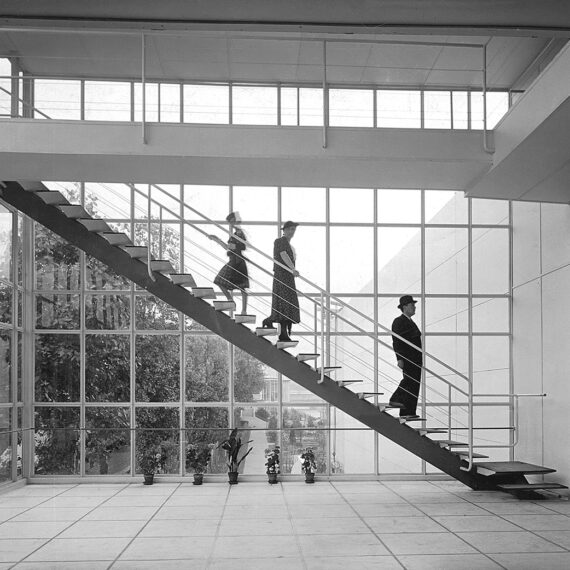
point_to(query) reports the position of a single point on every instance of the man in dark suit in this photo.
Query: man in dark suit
(409, 358)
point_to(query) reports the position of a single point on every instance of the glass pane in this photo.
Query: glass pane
(107, 441)
(257, 203)
(6, 292)
(20, 370)
(351, 260)
(169, 103)
(157, 368)
(398, 109)
(460, 110)
(303, 204)
(57, 99)
(207, 368)
(252, 379)
(351, 108)
(446, 260)
(294, 393)
(151, 102)
(107, 368)
(449, 314)
(57, 367)
(311, 107)
(309, 244)
(399, 260)
(99, 276)
(444, 207)
(165, 201)
(107, 312)
(437, 110)
(5, 445)
(57, 262)
(206, 104)
(165, 241)
(491, 364)
(497, 107)
(490, 272)
(395, 459)
(489, 211)
(57, 311)
(107, 101)
(399, 206)
(352, 450)
(57, 450)
(211, 201)
(108, 200)
(154, 314)
(289, 106)
(160, 439)
(6, 244)
(351, 205)
(5, 368)
(207, 428)
(253, 105)
(490, 315)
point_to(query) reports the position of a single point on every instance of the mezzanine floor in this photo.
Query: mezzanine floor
(339, 524)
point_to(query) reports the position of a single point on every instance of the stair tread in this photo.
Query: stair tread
(224, 305)
(464, 453)
(53, 197)
(512, 467)
(33, 185)
(529, 486)
(287, 343)
(404, 419)
(95, 225)
(264, 331)
(446, 442)
(245, 319)
(73, 210)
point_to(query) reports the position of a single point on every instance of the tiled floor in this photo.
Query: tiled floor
(253, 525)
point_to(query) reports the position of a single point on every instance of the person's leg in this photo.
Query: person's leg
(410, 388)
(227, 293)
(244, 302)
(284, 332)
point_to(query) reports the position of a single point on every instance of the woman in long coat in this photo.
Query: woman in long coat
(234, 275)
(284, 302)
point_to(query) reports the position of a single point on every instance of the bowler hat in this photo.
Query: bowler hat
(405, 300)
(289, 224)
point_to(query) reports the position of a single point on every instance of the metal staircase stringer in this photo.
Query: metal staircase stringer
(240, 336)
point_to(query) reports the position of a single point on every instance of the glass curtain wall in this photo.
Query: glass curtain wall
(117, 371)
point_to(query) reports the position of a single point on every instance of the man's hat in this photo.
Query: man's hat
(405, 300)
(289, 224)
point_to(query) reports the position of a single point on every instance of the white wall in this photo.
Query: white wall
(541, 333)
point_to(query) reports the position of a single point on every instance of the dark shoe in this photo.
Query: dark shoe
(410, 416)
(284, 339)
(267, 324)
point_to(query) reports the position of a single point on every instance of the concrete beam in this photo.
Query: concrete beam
(241, 155)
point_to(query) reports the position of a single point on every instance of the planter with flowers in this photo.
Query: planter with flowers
(308, 465)
(197, 459)
(150, 461)
(232, 446)
(272, 464)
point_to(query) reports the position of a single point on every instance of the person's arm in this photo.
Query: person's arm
(400, 328)
(287, 261)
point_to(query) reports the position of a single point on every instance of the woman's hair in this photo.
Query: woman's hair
(233, 217)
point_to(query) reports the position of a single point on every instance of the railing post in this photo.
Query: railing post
(149, 254)
(143, 88)
(323, 360)
(325, 97)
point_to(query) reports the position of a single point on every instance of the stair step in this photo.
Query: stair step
(53, 198)
(32, 185)
(450, 443)
(183, 279)
(464, 453)
(383, 406)
(364, 395)
(304, 356)
(224, 305)
(245, 319)
(511, 467)
(117, 238)
(74, 211)
(95, 225)
(343, 383)
(404, 419)
(425, 431)
(136, 251)
(327, 369)
(530, 486)
(265, 331)
(204, 292)
(161, 266)
(286, 343)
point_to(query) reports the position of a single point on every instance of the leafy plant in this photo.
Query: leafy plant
(198, 458)
(272, 460)
(232, 447)
(150, 460)
(308, 462)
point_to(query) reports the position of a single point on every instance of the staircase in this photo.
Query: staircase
(96, 238)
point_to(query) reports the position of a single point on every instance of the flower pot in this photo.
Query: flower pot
(198, 478)
(233, 477)
(148, 478)
(272, 478)
(309, 477)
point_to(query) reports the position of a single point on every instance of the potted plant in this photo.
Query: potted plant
(197, 459)
(232, 447)
(272, 464)
(308, 465)
(150, 460)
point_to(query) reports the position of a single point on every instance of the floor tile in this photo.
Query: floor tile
(349, 545)
(120, 513)
(6, 514)
(438, 509)
(236, 547)
(373, 498)
(103, 529)
(75, 565)
(354, 561)
(256, 527)
(540, 522)
(14, 550)
(562, 507)
(186, 564)
(55, 515)
(459, 523)
(343, 525)
(388, 510)
(190, 512)
(79, 549)
(560, 537)
(448, 562)
(169, 548)
(425, 543)
(87, 490)
(324, 511)
(177, 500)
(10, 502)
(135, 501)
(501, 542)
(553, 561)
(29, 529)
(289, 563)
(63, 502)
(390, 525)
(185, 528)
(515, 508)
